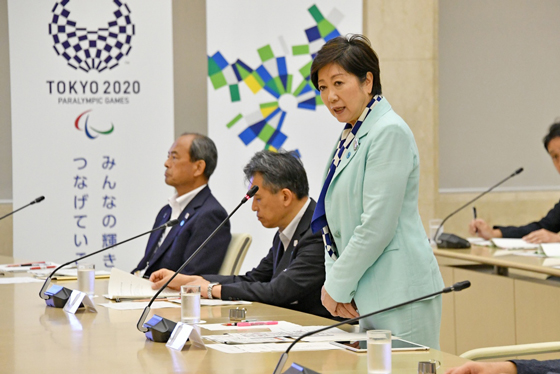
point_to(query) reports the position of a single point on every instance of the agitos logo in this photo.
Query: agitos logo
(90, 131)
(91, 49)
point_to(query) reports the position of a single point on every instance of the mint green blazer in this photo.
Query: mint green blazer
(372, 211)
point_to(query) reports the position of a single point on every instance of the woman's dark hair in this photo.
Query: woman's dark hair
(553, 132)
(354, 54)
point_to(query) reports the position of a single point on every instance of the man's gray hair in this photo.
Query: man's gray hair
(203, 148)
(279, 170)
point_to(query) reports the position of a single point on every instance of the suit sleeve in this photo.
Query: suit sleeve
(389, 162)
(210, 259)
(535, 366)
(550, 222)
(304, 275)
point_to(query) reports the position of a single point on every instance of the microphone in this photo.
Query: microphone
(57, 296)
(456, 287)
(37, 200)
(158, 329)
(452, 241)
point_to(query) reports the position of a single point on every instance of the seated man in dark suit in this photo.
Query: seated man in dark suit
(293, 272)
(544, 231)
(191, 160)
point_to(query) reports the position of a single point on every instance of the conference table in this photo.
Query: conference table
(502, 262)
(35, 338)
(514, 299)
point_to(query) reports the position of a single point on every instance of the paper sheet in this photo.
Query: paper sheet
(278, 347)
(15, 280)
(281, 326)
(513, 244)
(66, 274)
(551, 249)
(7, 268)
(480, 241)
(133, 305)
(127, 286)
(217, 302)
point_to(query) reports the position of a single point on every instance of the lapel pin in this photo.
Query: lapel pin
(348, 154)
(355, 144)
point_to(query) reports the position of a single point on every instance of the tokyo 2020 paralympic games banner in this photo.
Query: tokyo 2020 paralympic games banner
(260, 96)
(92, 120)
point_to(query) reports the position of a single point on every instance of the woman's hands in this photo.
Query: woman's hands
(344, 310)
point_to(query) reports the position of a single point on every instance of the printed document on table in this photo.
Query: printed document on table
(551, 249)
(282, 327)
(217, 302)
(15, 280)
(66, 274)
(123, 285)
(513, 244)
(133, 305)
(278, 347)
(480, 241)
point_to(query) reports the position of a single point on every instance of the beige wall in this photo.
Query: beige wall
(404, 35)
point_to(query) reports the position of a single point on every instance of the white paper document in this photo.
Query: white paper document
(480, 241)
(72, 273)
(279, 347)
(513, 244)
(551, 249)
(23, 267)
(282, 326)
(249, 338)
(15, 280)
(123, 285)
(217, 302)
(133, 305)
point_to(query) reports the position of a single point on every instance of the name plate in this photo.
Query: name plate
(183, 332)
(76, 298)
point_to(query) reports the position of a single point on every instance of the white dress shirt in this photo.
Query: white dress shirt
(287, 234)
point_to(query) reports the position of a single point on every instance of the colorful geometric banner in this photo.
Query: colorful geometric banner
(260, 93)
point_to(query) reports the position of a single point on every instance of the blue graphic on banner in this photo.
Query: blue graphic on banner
(91, 49)
(273, 77)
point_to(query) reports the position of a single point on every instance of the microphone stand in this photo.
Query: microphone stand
(454, 241)
(37, 200)
(456, 287)
(158, 328)
(58, 295)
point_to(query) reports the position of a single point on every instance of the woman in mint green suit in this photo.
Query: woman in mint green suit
(377, 252)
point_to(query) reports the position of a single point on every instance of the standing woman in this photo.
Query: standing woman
(377, 252)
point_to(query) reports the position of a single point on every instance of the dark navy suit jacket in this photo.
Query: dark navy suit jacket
(196, 222)
(550, 222)
(290, 279)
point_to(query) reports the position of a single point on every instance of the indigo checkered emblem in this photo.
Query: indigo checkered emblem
(91, 49)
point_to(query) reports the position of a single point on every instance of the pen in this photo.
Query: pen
(256, 323)
(474, 215)
(42, 267)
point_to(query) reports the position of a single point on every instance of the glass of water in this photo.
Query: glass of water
(86, 278)
(379, 351)
(190, 304)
